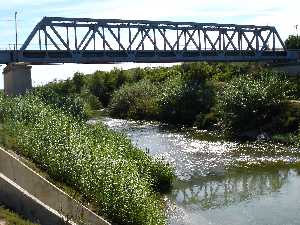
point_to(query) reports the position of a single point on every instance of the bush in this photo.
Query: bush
(253, 103)
(293, 42)
(72, 104)
(103, 84)
(182, 100)
(104, 166)
(136, 101)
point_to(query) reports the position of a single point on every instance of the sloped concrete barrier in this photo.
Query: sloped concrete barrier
(14, 169)
(19, 200)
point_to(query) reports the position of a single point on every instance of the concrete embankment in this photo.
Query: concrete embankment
(31, 195)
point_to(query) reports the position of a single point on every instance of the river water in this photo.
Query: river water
(220, 182)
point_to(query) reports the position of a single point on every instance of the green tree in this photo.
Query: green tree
(79, 82)
(293, 42)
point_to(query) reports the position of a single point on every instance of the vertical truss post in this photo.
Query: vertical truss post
(68, 40)
(256, 32)
(185, 44)
(205, 40)
(46, 44)
(103, 38)
(223, 40)
(273, 34)
(165, 44)
(220, 42)
(40, 44)
(119, 38)
(178, 38)
(240, 45)
(129, 30)
(143, 38)
(94, 36)
(75, 32)
(199, 39)
(154, 37)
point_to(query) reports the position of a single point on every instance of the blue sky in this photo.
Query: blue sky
(282, 14)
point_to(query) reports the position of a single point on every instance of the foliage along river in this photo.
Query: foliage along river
(217, 183)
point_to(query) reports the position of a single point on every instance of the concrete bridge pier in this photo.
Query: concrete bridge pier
(17, 79)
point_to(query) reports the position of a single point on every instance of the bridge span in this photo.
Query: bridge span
(84, 40)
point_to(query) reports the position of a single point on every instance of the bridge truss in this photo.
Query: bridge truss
(83, 40)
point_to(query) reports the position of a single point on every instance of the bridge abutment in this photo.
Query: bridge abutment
(17, 79)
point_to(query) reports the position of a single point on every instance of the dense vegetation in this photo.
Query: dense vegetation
(256, 104)
(293, 42)
(121, 180)
(243, 100)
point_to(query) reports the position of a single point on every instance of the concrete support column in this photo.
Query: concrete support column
(17, 79)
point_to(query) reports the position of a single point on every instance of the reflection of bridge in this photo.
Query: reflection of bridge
(219, 192)
(82, 40)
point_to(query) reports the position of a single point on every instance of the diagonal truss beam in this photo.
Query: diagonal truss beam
(122, 35)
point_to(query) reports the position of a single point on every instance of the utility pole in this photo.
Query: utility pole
(16, 28)
(296, 27)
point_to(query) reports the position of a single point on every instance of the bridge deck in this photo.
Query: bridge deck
(145, 56)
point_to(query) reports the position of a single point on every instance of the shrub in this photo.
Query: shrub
(72, 104)
(293, 42)
(103, 84)
(136, 101)
(103, 165)
(253, 102)
(181, 101)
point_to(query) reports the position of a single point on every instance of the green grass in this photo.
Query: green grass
(12, 218)
(121, 181)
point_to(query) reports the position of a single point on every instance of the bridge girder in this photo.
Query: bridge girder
(84, 40)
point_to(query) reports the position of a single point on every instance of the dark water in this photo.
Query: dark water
(220, 182)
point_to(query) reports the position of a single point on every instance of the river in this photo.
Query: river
(220, 182)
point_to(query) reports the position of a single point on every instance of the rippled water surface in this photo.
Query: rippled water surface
(220, 182)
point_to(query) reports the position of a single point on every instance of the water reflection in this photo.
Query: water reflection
(262, 198)
(214, 183)
(212, 192)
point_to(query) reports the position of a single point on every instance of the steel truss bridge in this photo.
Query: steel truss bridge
(83, 40)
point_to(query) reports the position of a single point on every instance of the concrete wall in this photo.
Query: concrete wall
(40, 188)
(17, 79)
(20, 201)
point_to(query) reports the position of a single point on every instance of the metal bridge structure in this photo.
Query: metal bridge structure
(98, 41)
(83, 40)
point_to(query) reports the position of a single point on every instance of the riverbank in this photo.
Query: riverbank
(121, 181)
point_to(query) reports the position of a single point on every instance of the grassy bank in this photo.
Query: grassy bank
(11, 218)
(122, 181)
